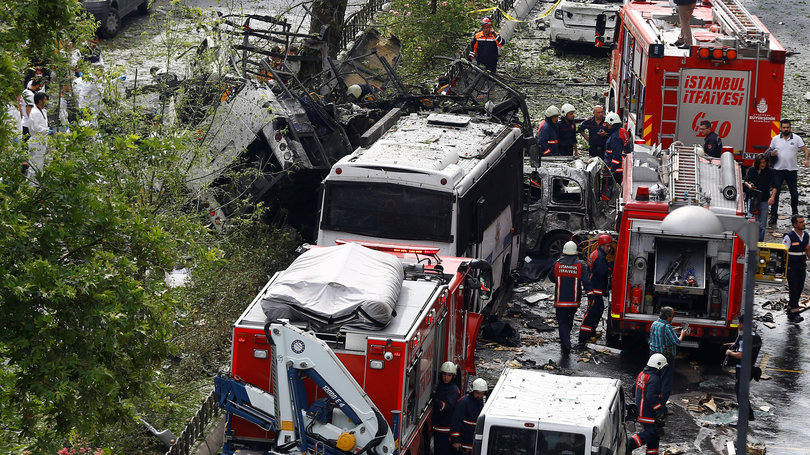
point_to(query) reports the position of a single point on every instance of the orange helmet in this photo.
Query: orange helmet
(604, 239)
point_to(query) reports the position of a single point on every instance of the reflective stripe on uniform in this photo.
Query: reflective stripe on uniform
(795, 254)
(646, 420)
(442, 429)
(637, 439)
(566, 304)
(585, 328)
(469, 422)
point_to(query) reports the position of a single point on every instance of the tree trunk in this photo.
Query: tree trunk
(329, 13)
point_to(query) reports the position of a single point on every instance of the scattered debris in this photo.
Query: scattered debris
(604, 349)
(769, 325)
(502, 333)
(711, 405)
(540, 326)
(756, 449)
(551, 365)
(765, 408)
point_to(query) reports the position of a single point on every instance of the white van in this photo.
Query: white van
(532, 412)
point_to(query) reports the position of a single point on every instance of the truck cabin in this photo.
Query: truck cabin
(532, 412)
(693, 272)
(731, 75)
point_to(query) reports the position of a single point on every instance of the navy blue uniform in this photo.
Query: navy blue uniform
(567, 135)
(596, 142)
(571, 275)
(600, 271)
(713, 145)
(647, 391)
(547, 139)
(465, 416)
(796, 269)
(614, 149)
(443, 407)
(485, 49)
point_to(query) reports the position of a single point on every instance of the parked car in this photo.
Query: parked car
(574, 21)
(564, 197)
(110, 12)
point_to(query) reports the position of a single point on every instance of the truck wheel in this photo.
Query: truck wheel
(553, 244)
(111, 24)
(143, 8)
(612, 338)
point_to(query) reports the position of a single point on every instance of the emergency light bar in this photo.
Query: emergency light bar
(724, 54)
(392, 247)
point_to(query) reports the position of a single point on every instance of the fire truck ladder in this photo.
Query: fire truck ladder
(684, 181)
(669, 111)
(738, 22)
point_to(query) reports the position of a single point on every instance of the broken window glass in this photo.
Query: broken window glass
(566, 191)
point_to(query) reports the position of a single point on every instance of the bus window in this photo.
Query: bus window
(388, 211)
(566, 191)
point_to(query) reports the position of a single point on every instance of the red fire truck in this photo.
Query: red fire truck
(697, 273)
(732, 76)
(397, 367)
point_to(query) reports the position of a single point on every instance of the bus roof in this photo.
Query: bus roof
(722, 23)
(426, 149)
(550, 398)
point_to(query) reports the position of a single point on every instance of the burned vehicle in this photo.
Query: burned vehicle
(563, 199)
(575, 22)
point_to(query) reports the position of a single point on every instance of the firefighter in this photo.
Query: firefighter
(485, 46)
(547, 140)
(614, 147)
(444, 404)
(712, 144)
(465, 416)
(798, 244)
(571, 275)
(567, 131)
(363, 92)
(600, 270)
(594, 130)
(647, 392)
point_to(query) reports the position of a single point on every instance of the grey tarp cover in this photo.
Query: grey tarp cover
(339, 285)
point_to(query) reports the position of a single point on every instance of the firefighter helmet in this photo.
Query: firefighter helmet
(479, 385)
(355, 91)
(657, 361)
(604, 239)
(566, 108)
(613, 119)
(552, 111)
(486, 21)
(448, 367)
(570, 248)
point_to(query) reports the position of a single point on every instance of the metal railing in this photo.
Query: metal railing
(196, 427)
(359, 21)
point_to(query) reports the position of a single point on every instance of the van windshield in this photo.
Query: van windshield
(388, 211)
(522, 441)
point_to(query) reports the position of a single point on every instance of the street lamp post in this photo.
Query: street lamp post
(748, 232)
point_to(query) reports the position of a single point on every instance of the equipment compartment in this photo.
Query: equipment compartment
(680, 266)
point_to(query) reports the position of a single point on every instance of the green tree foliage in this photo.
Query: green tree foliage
(86, 315)
(426, 34)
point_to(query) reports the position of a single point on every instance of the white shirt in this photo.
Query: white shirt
(38, 122)
(787, 151)
(13, 113)
(27, 99)
(37, 144)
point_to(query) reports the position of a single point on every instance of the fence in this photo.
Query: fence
(196, 426)
(359, 21)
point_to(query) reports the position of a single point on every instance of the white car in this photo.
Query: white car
(574, 21)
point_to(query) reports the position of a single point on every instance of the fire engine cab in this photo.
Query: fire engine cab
(699, 275)
(327, 372)
(731, 76)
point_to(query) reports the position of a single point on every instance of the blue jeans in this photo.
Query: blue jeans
(762, 217)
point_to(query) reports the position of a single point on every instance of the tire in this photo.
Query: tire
(111, 24)
(553, 244)
(612, 338)
(143, 8)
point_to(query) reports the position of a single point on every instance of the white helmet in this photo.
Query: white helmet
(566, 108)
(613, 119)
(657, 361)
(479, 385)
(570, 248)
(448, 367)
(355, 91)
(552, 111)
